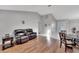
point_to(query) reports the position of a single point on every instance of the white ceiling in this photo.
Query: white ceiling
(59, 11)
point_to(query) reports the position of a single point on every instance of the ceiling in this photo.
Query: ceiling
(59, 11)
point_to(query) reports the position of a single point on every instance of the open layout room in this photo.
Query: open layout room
(39, 28)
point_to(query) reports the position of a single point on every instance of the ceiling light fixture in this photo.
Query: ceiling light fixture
(49, 5)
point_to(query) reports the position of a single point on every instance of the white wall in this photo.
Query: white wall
(11, 20)
(62, 25)
(51, 24)
(67, 25)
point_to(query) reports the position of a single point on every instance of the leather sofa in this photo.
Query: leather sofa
(23, 35)
(20, 36)
(31, 34)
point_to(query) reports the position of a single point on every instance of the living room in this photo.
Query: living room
(44, 21)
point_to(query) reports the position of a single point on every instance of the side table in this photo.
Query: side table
(4, 40)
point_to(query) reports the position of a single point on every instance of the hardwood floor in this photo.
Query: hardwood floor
(37, 45)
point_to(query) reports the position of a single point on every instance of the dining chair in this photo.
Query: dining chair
(67, 42)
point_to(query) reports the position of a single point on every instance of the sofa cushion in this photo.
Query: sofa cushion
(24, 37)
(20, 34)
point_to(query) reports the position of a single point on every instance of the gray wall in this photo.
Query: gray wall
(11, 20)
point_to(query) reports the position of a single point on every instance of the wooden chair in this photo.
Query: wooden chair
(67, 42)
